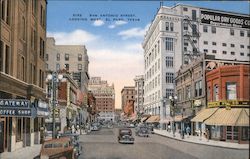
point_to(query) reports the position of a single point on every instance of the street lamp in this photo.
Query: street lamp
(54, 78)
(173, 101)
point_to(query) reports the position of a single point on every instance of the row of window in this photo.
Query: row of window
(153, 70)
(231, 92)
(232, 31)
(225, 44)
(153, 84)
(153, 97)
(225, 52)
(152, 55)
(66, 57)
(66, 66)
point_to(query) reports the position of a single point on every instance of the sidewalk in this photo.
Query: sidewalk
(28, 152)
(202, 140)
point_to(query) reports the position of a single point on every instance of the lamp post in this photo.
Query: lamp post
(173, 101)
(54, 78)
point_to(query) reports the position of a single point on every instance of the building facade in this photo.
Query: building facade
(179, 34)
(228, 93)
(72, 58)
(139, 91)
(22, 73)
(105, 98)
(128, 99)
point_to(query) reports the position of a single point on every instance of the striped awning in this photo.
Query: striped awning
(229, 117)
(153, 119)
(204, 114)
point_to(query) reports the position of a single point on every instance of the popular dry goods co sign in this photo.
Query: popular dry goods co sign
(16, 107)
(228, 20)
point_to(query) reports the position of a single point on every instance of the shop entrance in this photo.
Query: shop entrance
(1, 136)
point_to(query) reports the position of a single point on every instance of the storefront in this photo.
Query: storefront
(17, 124)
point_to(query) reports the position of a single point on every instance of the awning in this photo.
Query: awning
(144, 118)
(166, 120)
(178, 118)
(153, 119)
(229, 117)
(204, 114)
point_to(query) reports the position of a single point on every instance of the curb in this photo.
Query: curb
(201, 143)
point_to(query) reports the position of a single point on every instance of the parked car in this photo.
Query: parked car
(58, 149)
(142, 131)
(75, 141)
(125, 136)
(131, 125)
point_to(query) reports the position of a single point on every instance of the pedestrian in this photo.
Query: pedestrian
(169, 128)
(200, 133)
(207, 134)
(188, 131)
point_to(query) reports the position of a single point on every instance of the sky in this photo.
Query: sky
(113, 32)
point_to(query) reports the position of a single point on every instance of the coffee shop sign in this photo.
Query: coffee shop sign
(14, 103)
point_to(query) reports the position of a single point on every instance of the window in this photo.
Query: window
(232, 53)
(214, 51)
(58, 57)
(188, 92)
(7, 59)
(185, 9)
(57, 66)
(5, 11)
(185, 48)
(205, 42)
(213, 30)
(242, 33)
(216, 93)
(194, 14)
(198, 88)
(67, 66)
(248, 33)
(194, 30)
(66, 57)
(232, 45)
(79, 57)
(34, 6)
(171, 26)
(205, 29)
(224, 44)
(169, 62)
(21, 67)
(185, 26)
(248, 54)
(169, 78)
(214, 43)
(231, 92)
(42, 48)
(167, 26)
(224, 52)
(232, 32)
(23, 28)
(1, 56)
(169, 44)
(169, 92)
(79, 66)
(242, 46)
(46, 57)
(242, 54)
(19, 129)
(185, 43)
(205, 51)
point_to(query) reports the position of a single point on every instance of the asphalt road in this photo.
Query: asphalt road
(103, 145)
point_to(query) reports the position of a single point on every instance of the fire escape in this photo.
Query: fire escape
(192, 38)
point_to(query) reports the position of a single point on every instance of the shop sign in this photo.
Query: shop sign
(230, 103)
(24, 112)
(42, 109)
(16, 107)
(197, 103)
(222, 19)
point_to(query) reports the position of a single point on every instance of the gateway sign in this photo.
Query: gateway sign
(228, 20)
(16, 107)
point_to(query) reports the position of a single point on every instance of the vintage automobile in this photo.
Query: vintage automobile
(75, 141)
(58, 149)
(125, 136)
(142, 131)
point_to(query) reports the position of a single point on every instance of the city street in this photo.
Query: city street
(103, 145)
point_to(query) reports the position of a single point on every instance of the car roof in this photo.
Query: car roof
(63, 139)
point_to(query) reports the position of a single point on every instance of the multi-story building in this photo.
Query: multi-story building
(128, 99)
(105, 98)
(191, 87)
(22, 73)
(227, 115)
(72, 58)
(179, 34)
(139, 85)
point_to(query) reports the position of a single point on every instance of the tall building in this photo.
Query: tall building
(22, 73)
(178, 35)
(72, 58)
(128, 99)
(105, 98)
(139, 85)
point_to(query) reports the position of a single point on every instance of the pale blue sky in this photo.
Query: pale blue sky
(114, 50)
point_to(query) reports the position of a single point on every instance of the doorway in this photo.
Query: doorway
(1, 136)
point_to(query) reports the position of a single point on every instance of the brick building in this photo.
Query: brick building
(128, 99)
